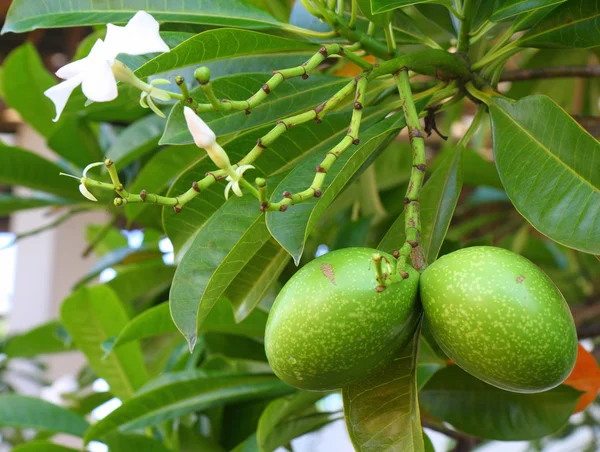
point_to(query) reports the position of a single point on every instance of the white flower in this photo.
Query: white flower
(82, 188)
(206, 139)
(234, 180)
(99, 71)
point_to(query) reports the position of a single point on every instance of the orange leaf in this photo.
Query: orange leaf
(352, 70)
(585, 377)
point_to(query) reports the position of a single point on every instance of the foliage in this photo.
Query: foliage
(182, 345)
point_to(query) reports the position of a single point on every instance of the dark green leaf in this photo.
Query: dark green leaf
(218, 253)
(74, 139)
(25, 16)
(26, 169)
(381, 6)
(549, 167)
(452, 395)
(235, 347)
(46, 338)
(222, 44)
(298, 426)
(11, 203)
(291, 97)
(93, 315)
(260, 273)
(429, 363)
(573, 24)
(382, 412)
(182, 393)
(511, 8)
(119, 442)
(41, 446)
(378, 19)
(136, 140)
(143, 279)
(438, 202)
(27, 412)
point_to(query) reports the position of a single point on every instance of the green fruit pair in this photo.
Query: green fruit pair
(494, 313)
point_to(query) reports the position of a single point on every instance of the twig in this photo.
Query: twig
(551, 72)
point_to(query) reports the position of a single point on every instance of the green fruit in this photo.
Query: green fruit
(500, 318)
(329, 326)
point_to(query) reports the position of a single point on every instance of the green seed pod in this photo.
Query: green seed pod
(500, 318)
(202, 74)
(330, 326)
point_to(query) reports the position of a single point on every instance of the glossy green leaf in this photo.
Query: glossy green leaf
(280, 410)
(291, 97)
(158, 173)
(546, 163)
(93, 315)
(452, 395)
(11, 203)
(382, 412)
(26, 16)
(222, 44)
(218, 253)
(157, 320)
(252, 283)
(182, 393)
(26, 169)
(511, 8)
(136, 140)
(28, 412)
(41, 446)
(24, 80)
(43, 339)
(438, 202)
(573, 24)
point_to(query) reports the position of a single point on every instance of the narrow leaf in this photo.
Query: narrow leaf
(11, 203)
(136, 140)
(381, 6)
(511, 8)
(47, 338)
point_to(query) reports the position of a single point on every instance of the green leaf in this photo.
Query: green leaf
(75, 140)
(11, 203)
(429, 363)
(25, 78)
(46, 338)
(41, 446)
(24, 16)
(382, 412)
(143, 279)
(381, 6)
(157, 174)
(93, 315)
(182, 393)
(119, 442)
(26, 169)
(511, 8)
(573, 24)
(452, 395)
(277, 412)
(252, 283)
(298, 426)
(291, 97)
(438, 202)
(28, 412)
(136, 140)
(157, 320)
(378, 19)
(222, 44)
(548, 168)
(218, 253)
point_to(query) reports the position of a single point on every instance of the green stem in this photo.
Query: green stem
(353, 14)
(412, 224)
(472, 127)
(491, 56)
(465, 27)
(390, 40)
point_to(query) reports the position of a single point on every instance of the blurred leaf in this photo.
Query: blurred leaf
(11, 203)
(585, 377)
(86, 404)
(112, 239)
(43, 339)
(452, 395)
(234, 347)
(380, 6)
(24, 16)
(222, 44)
(258, 275)
(573, 24)
(382, 411)
(74, 139)
(293, 96)
(183, 393)
(557, 168)
(511, 8)
(93, 315)
(119, 442)
(41, 446)
(428, 364)
(28, 412)
(136, 140)
(26, 169)
(144, 279)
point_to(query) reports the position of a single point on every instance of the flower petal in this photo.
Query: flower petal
(202, 134)
(90, 166)
(85, 192)
(237, 189)
(99, 82)
(227, 188)
(138, 37)
(243, 168)
(59, 94)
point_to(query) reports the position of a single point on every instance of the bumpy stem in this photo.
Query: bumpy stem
(412, 217)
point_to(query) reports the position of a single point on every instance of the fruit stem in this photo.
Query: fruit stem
(412, 217)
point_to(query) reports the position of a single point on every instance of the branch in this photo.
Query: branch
(551, 72)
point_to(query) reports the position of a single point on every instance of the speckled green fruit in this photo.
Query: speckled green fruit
(500, 318)
(329, 326)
